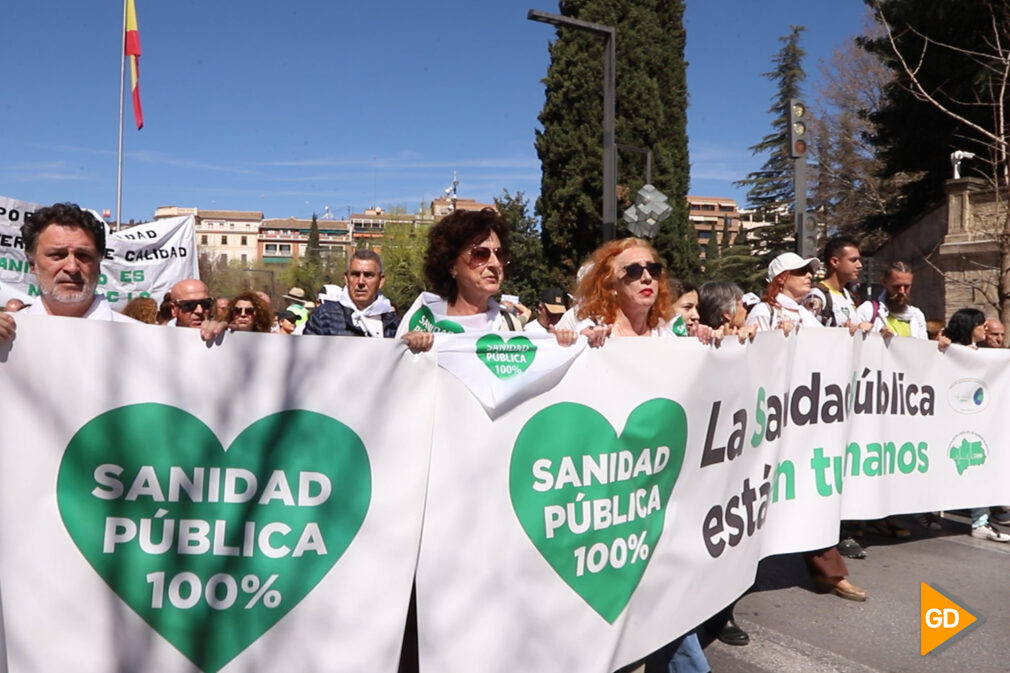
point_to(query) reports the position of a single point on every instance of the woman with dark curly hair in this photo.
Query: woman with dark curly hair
(623, 292)
(249, 313)
(464, 266)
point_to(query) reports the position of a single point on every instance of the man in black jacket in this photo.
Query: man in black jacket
(361, 309)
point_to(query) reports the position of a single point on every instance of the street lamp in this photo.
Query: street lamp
(609, 33)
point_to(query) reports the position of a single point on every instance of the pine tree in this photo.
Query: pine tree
(650, 113)
(771, 188)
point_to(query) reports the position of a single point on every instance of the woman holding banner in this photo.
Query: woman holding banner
(465, 266)
(624, 292)
(790, 278)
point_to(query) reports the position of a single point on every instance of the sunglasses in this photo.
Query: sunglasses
(634, 271)
(189, 305)
(802, 271)
(244, 310)
(481, 255)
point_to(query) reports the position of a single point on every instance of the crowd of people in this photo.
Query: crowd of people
(622, 290)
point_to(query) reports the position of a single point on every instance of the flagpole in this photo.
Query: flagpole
(119, 154)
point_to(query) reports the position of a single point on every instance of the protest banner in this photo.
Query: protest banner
(142, 261)
(165, 506)
(597, 521)
(576, 528)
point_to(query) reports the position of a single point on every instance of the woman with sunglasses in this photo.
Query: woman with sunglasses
(790, 278)
(624, 292)
(464, 266)
(249, 313)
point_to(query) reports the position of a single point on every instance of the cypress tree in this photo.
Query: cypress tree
(650, 113)
(771, 188)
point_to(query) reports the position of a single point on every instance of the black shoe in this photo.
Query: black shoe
(732, 634)
(850, 548)
(1000, 516)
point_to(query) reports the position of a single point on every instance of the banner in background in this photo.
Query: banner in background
(169, 507)
(145, 260)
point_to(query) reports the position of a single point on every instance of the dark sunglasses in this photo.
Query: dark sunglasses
(634, 271)
(802, 271)
(244, 310)
(189, 305)
(481, 255)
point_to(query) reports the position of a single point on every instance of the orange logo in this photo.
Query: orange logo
(941, 619)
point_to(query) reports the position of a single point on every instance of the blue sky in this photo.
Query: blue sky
(291, 107)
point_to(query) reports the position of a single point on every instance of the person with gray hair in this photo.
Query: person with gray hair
(720, 306)
(361, 309)
(890, 313)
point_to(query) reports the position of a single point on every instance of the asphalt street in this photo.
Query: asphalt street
(795, 630)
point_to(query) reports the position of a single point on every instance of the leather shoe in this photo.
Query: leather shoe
(849, 591)
(732, 634)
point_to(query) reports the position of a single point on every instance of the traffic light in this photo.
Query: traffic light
(797, 128)
(806, 234)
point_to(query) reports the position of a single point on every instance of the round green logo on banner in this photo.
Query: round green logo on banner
(592, 502)
(212, 547)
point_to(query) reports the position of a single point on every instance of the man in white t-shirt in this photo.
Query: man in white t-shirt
(549, 311)
(842, 264)
(64, 245)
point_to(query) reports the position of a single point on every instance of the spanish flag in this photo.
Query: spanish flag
(133, 51)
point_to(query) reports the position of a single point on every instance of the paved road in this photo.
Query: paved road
(794, 630)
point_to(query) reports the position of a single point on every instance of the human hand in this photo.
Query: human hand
(597, 335)
(419, 342)
(787, 326)
(7, 328)
(210, 330)
(565, 337)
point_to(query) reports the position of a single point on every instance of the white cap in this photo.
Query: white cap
(790, 261)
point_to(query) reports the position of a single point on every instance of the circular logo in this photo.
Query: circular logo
(968, 396)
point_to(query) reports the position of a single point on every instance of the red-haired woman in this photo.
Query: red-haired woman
(624, 292)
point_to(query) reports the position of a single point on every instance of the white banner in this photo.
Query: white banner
(257, 505)
(165, 506)
(143, 261)
(594, 523)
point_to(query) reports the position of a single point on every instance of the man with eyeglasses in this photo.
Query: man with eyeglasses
(64, 246)
(191, 303)
(360, 309)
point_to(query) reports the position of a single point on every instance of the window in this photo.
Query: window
(245, 241)
(270, 248)
(203, 240)
(224, 240)
(707, 206)
(245, 259)
(725, 209)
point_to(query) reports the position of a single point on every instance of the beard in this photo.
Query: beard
(895, 305)
(63, 296)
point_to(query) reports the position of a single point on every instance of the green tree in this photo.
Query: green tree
(771, 188)
(950, 66)
(313, 253)
(403, 246)
(650, 113)
(526, 275)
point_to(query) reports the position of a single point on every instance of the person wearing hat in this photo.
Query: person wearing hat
(552, 306)
(297, 296)
(790, 278)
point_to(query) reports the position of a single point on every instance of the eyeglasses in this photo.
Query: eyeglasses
(801, 271)
(634, 271)
(189, 305)
(481, 255)
(244, 310)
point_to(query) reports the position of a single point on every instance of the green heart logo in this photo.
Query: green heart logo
(594, 503)
(212, 547)
(506, 359)
(423, 320)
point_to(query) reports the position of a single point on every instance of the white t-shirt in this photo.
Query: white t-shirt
(428, 313)
(100, 309)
